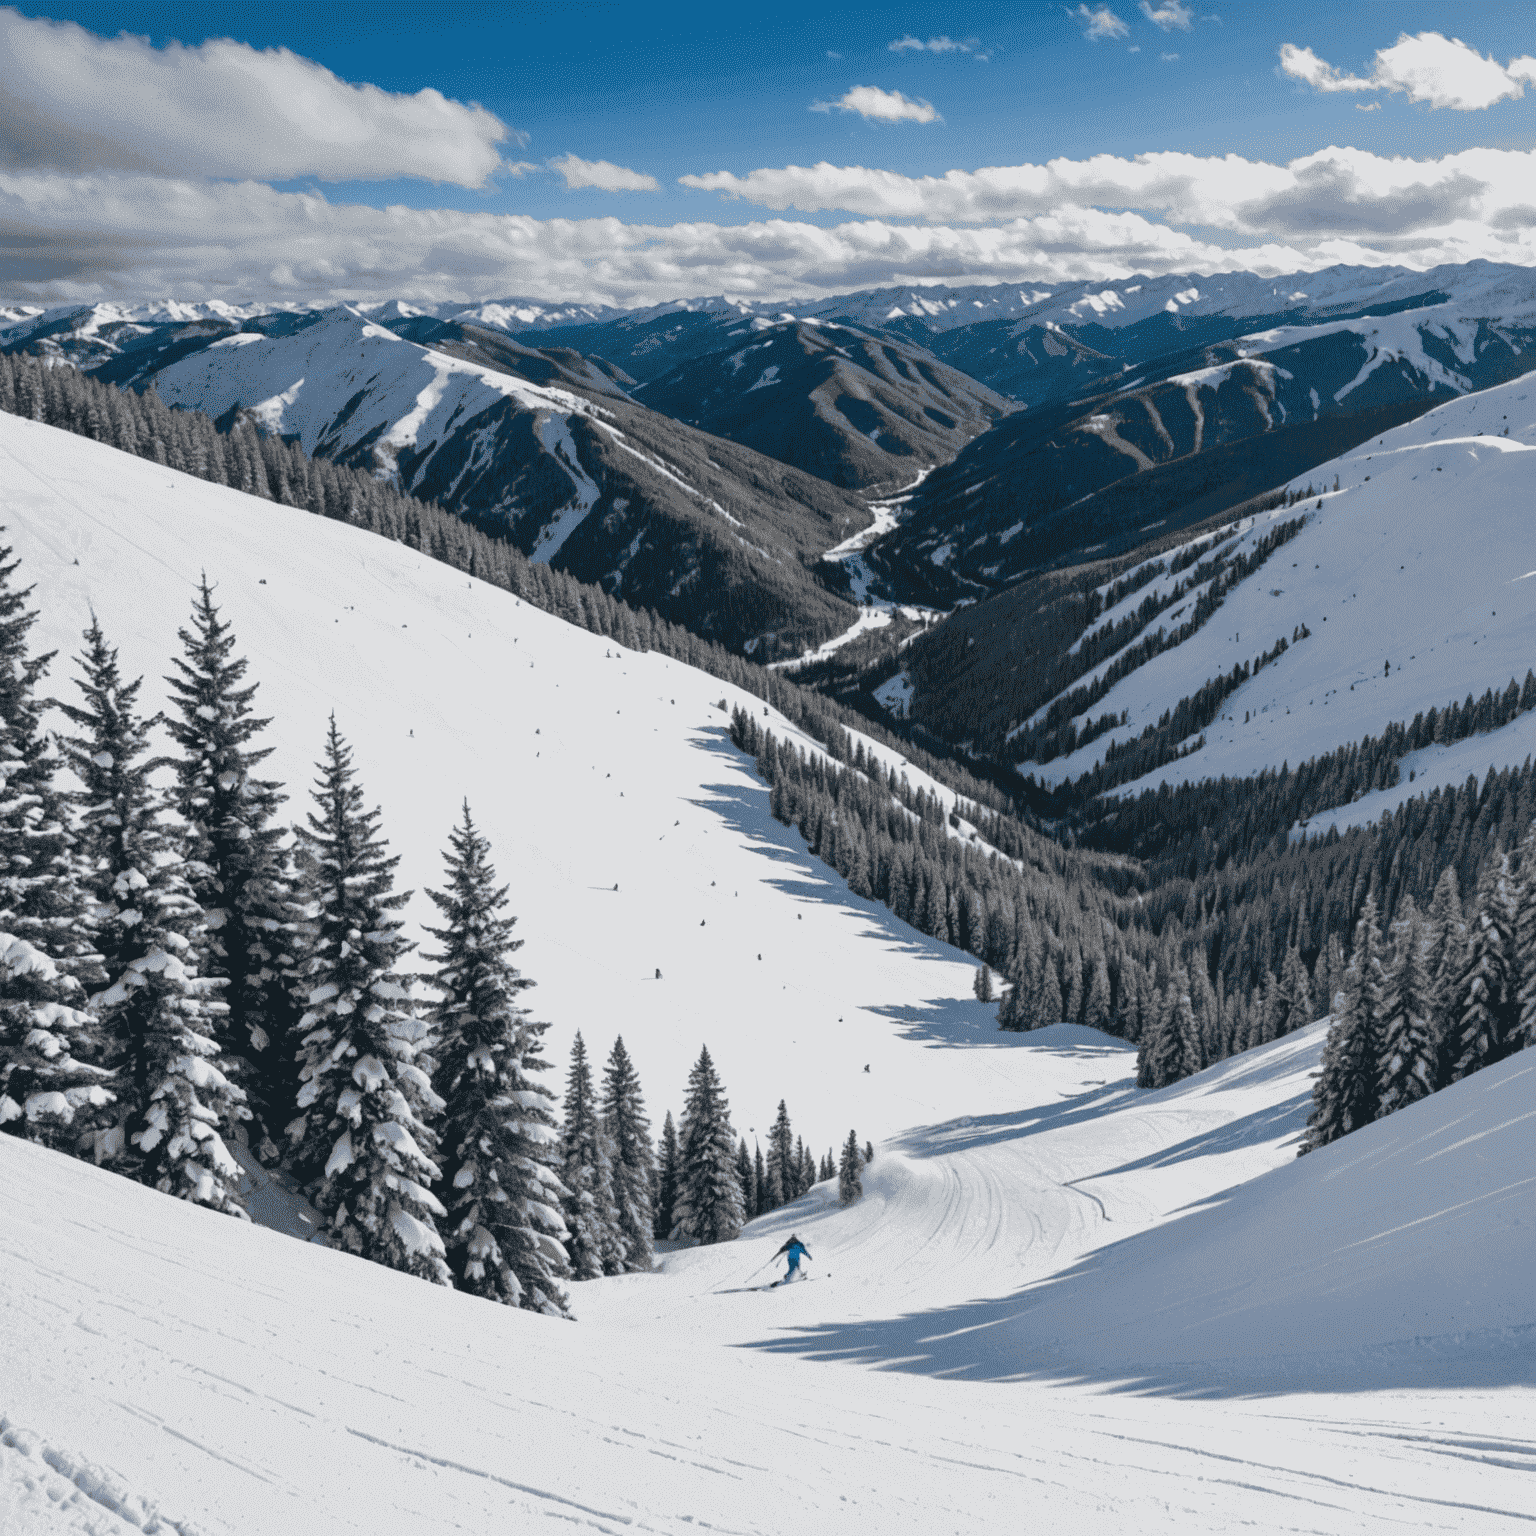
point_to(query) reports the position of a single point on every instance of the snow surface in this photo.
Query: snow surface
(1343, 1343)
(1420, 559)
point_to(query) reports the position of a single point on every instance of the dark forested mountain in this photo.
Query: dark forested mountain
(1191, 434)
(855, 409)
(538, 444)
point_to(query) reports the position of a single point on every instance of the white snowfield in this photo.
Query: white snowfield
(1339, 1344)
(1417, 580)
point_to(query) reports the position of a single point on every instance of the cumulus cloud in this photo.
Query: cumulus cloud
(1099, 22)
(604, 175)
(72, 101)
(869, 101)
(1170, 15)
(1341, 191)
(1443, 71)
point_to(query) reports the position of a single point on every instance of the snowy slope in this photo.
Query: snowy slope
(168, 1370)
(1419, 559)
(586, 764)
(164, 1369)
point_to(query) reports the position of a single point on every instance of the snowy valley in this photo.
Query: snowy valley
(1113, 1307)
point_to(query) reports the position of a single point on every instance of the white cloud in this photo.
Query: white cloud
(1372, 106)
(80, 238)
(1169, 15)
(1443, 71)
(1168, 58)
(832, 55)
(1099, 22)
(604, 175)
(869, 101)
(519, 168)
(72, 101)
(1336, 192)
(910, 44)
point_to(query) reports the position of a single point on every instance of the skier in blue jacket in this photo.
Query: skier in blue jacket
(796, 1251)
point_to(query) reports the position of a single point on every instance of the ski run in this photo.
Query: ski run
(1061, 1301)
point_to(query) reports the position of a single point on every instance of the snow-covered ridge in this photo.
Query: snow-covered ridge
(1410, 581)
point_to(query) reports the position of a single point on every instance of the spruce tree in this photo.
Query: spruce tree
(748, 1182)
(1525, 945)
(759, 1183)
(1445, 947)
(708, 1192)
(1170, 1050)
(1347, 1093)
(53, 1089)
(982, 985)
(586, 1169)
(236, 862)
(1409, 1055)
(781, 1162)
(666, 1180)
(157, 1013)
(1296, 991)
(850, 1172)
(361, 1137)
(504, 1234)
(828, 1169)
(1487, 993)
(629, 1135)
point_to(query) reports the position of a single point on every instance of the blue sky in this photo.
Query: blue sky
(667, 92)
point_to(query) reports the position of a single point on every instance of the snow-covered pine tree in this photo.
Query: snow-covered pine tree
(1525, 945)
(759, 1183)
(1409, 1054)
(982, 985)
(869, 1153)
(53, 1089)
(175, 1102)
(504, 1232)
(1445, 947)
(708, 1192)
(1170, 1050)
(46, 1095)
(1347, 1093)
(850, 1172)
(781, 1162)
(591, 1218)
(828, 1169)
(629, 1136)
(1296, 992)
(359, 1137)
(748, 1183)
(801, 1158)
(1487, 993)
(237, 864)
(666, 1180)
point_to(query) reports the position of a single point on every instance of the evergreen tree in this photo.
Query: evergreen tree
(629, 1135)
(759, 1183)
(360, 1137)
(1445, 947)
(52, 1088)
(1487, 993)
(748, 1183)
(591, 1217)
(157, 1013)
(1525, 944)
(708, 1192)
(504, 1234)
(850, 1172)
(982, 985)
(1347, 1093)
(236, 861)
(828, 1169)
(666, 1180)
(1409, 1055)
(1295, 993)
(1170, 1050)
(798, 1171)
(782, 1172)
